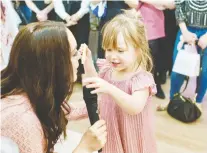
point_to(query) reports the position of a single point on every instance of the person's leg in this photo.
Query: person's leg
(154, 47)
(171, 30)
(101, 53)
(202, 83)
(163, 60)
(176, 79)
(26, 11)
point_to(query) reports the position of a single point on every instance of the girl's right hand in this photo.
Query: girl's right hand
(87, 61)
(189, 37)
(94, 138)
(86, 54)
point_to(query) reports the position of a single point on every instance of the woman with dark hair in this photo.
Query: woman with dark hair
(39, 77)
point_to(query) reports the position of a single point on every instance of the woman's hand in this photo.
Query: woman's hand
(189, 37)
(42, 16)
(69, 22)
(75, 17)
(202, 42)
(93, 139)
(100, 85)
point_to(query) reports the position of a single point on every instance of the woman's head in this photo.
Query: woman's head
(125, 43)
(43, 64)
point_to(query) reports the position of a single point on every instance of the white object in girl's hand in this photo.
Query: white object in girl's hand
(187, 61)
(84, 50)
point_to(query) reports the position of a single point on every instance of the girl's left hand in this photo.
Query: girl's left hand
(202, 42)
(100, 85)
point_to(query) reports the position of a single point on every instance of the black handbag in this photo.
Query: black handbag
(182, 108)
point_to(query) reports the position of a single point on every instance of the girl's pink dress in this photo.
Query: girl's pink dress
(128, 133)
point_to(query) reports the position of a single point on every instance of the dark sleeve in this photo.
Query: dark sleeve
(180, 13)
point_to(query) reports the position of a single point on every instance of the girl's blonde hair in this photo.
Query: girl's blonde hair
(129, 23)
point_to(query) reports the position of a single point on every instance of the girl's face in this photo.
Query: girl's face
(75, 56)
(125, 58)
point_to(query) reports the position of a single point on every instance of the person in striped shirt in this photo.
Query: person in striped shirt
(191, 17)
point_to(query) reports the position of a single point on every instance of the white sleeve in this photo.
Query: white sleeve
(60, 9)
(99, 9)
(84, 9)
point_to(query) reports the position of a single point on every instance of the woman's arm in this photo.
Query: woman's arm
(32, 6)
(84, 9)
(49, 8)
(180, 15)
(132, 3)
(60, 10)
(165, 4)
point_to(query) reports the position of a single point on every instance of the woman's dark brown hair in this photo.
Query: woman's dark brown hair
(40, 67)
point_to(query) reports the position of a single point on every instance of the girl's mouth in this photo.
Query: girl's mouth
(115, 64)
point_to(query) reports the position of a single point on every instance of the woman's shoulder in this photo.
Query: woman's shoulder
(15, 104)
(20, 123)
(17, 111)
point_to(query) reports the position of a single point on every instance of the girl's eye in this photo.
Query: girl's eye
(120, 51)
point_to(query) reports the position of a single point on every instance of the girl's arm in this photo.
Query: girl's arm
(87, 61)
(132, 104)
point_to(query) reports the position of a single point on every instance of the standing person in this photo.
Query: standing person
(154, 22)
(112, 9)
(125, 85)
(41, 10)
(171, 29)
(9, 24)
(192, 19)
(76, 15)
(39, 77)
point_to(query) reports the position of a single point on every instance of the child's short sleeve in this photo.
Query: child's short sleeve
(103, 67)
(143, 80)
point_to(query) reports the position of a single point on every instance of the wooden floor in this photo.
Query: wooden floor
(172, 135)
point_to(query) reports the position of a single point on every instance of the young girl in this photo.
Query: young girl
(125, 86)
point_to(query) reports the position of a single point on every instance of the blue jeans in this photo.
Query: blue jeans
(26, 11)
(178, 79)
